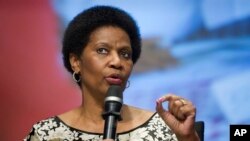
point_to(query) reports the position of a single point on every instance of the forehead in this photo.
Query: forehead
(106, 30)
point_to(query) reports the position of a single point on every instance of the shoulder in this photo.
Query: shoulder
(154, 128)
(157, 128)
(43, 129)
(46, 124)
(135, 116)
(136, 112)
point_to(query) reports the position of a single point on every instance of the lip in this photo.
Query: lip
(114, 79)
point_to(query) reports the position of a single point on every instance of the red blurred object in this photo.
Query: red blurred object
(34, 85)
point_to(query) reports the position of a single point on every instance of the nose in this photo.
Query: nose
(115, 61)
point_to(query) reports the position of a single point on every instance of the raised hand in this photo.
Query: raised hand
(180, 116)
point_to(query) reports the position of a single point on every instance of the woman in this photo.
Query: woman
(100, 47)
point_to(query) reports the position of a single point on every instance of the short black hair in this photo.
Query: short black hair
(77, 34)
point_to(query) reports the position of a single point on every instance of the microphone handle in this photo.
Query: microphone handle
(110, 127)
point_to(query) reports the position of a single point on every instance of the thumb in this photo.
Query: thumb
(168, 118)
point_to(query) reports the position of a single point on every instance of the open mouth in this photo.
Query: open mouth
(114, 80)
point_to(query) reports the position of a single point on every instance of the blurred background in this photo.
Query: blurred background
(198, 49)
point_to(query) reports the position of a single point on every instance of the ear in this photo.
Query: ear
(74, 62)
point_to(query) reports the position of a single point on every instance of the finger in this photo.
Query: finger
(179, 112)
(174, 107)
(159, 107)
(170, 97)
(183, 116)
(188, 110)
(164, 114)
(167, 117)
(173, 104)
(183, 101)
(176, 102)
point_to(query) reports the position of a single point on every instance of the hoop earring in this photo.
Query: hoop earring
(128, 84)
(76, 78)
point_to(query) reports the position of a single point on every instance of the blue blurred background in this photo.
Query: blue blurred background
(198, 49)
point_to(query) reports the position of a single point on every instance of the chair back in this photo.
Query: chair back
(199, 127)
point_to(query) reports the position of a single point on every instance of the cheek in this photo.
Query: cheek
(129, 68)
(94, 66)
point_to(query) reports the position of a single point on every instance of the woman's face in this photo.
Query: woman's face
(106, 60)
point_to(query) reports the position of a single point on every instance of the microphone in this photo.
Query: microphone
(112, 108)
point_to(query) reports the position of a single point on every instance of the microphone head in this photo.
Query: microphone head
(113, 102)
(114, 93)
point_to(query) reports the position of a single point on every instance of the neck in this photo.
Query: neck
(91, 108)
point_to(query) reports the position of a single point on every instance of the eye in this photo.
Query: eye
(102, 51)
(126, 54)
